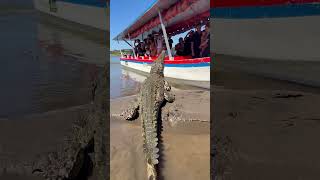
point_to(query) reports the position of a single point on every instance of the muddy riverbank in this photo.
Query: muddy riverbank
(185, 152)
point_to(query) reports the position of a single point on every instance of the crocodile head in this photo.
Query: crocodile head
(158, 66)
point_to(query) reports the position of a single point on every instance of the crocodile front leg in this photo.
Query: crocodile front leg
(167, 86)
(132, 112)
(169, 97)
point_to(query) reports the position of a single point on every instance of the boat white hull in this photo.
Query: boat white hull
(288, 38)
(92, 16)
(182, 73)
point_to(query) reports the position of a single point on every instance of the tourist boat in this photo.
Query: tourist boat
(91, 13)
(272, 29)
(172, 17)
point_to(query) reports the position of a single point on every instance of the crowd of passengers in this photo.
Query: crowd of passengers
(195, 44)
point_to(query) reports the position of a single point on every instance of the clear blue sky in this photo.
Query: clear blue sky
(122, 14)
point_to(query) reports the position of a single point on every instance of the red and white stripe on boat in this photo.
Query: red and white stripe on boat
(176, 60)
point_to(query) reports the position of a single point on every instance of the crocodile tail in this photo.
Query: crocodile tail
(151, 144)
(151, 152)
(151, 172)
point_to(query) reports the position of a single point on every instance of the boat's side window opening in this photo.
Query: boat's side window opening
(53, 5)
(195, 44)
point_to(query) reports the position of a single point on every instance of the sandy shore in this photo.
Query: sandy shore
(305, 72)
(23, 139)
(185, 145)
(265, 128)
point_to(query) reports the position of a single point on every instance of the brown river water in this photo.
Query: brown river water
(45, 66)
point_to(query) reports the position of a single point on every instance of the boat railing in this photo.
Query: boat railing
(167, 58)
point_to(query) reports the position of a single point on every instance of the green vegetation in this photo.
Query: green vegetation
(124, 51)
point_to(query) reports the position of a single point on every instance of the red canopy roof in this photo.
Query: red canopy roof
(178, 16)
(237, 3)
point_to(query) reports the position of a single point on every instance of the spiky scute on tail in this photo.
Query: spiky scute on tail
(150, 148)
(150, 142)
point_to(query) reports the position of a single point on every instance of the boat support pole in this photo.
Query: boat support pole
(134, 52)
(121, 53)
(127, 42)
(165, 36)
(120, 48)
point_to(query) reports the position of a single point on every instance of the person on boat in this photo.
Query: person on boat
(136, 42)
(139, 50)
(195, 42)
(154, 36)
(204, 46)
(164, 47)
(148, 52)
(187, 43)
(145, 41)
(179, 48)
(147, 47)
(152, 47)
(143, 48)
(135, 45)
(159, 42)
(170, 42)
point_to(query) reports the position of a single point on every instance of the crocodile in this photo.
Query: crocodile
(153, 93)
(84, 149)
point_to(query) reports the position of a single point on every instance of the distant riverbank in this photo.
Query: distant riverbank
(118, 53)
(113, 53)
